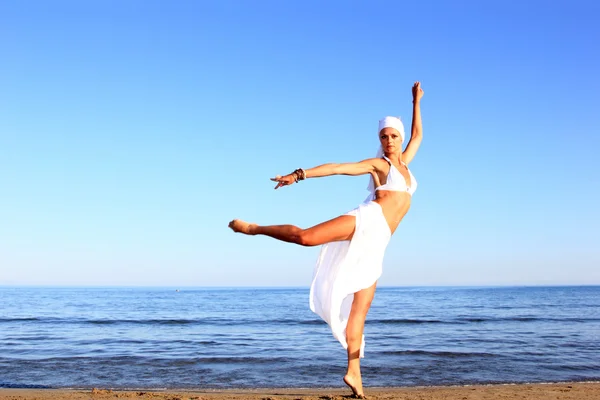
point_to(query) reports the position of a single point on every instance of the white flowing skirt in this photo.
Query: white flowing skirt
(345, 267)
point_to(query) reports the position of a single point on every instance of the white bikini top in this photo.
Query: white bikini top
(395, 180)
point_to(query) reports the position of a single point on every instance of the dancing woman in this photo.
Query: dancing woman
(350, 261)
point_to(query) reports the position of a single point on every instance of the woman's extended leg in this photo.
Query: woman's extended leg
(354, 333)
(340, 228)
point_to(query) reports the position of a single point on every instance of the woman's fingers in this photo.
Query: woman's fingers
(280, 181)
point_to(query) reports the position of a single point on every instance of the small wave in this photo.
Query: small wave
(473, 319)
(32, 338)
(287, 321)
(405, 321)
(450, 354)
(142, 321)
(524, 319)
(240, 360)
(22, 319)
(166, 321)
(156, 342)
(155, 361)
(153, 321)
(579, 368)
(8, 385)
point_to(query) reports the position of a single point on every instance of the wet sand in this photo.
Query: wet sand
(575, 391)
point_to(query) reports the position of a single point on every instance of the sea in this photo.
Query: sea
(203, 338)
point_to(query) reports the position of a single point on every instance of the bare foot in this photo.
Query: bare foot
(237, 225)
(355, 383)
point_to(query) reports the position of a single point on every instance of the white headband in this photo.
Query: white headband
(392, 122)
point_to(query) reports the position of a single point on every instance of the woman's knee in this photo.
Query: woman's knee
(365, 306)
(363, 302)
(359, 312)
(361, 306)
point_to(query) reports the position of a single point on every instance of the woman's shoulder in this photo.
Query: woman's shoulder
(379, 163)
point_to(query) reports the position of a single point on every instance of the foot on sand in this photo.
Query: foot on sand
(355, 383)
(237, 225)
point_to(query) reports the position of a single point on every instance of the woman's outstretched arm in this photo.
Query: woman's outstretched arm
(416, 132)
(357, 168)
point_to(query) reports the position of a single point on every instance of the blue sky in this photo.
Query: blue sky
(132, 132)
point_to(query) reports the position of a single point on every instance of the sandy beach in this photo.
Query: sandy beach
(578, 391)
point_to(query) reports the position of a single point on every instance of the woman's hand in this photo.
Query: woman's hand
(284, 180)
(417, 92)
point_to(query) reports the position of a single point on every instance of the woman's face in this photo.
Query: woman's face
(390, 140)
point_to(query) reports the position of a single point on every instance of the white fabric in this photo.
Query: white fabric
(392, 122)
(345, 267)
(395, 181)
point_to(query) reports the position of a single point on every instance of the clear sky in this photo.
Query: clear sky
(132, 132)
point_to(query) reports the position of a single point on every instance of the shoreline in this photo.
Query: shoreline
(271, 388)
(588, 390)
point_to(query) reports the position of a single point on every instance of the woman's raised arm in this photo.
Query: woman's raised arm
(416, 132)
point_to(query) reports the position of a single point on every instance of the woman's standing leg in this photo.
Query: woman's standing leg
(354, 332)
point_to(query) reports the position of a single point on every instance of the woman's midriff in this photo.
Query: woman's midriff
(394, 205)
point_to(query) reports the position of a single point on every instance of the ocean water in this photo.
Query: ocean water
(247, 337)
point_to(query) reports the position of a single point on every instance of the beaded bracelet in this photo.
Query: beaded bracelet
(299, 174)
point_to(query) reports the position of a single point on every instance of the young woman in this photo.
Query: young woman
(350, 261)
